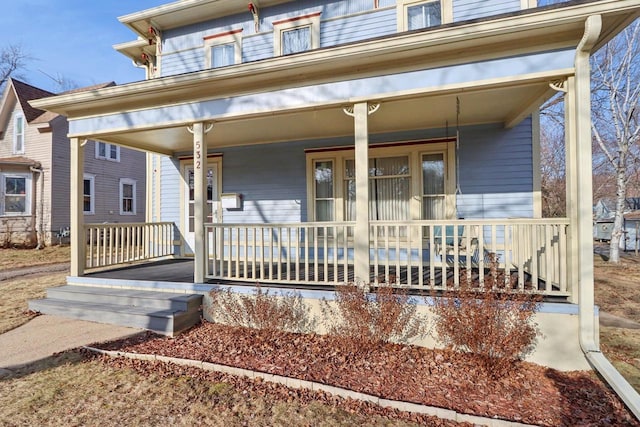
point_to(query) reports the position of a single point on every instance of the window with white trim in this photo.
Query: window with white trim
(406, 182)
(106, 151)
(18, 133)
(417, 14)
(16, 194)
(127, 196)
(297, 34)
(88, 194)
(223, 49)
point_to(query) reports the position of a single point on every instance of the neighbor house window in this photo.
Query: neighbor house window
(223, 49)
(18, 133)
(107, 151)
(416, 14)
(88, 194)
(297, 34)
(15, 194)
(407, 181)
(127, 196)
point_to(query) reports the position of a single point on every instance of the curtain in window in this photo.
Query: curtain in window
(324, 190)
(19, 135)
(433, 186)
(424, 15)
(389, 192)
(15, 198)
(127, 198)
(222, 55)
(296, 40)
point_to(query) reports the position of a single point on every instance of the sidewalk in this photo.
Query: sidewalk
(46, 335)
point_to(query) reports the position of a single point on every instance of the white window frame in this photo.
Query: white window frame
(133, 183)
(230, 37)
(28, 190)
(107, 151)
(19, 133)
(413, 149)
(402, 11)
(92, 188)
(311, 20)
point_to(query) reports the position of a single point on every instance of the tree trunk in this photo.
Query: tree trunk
(618, 233)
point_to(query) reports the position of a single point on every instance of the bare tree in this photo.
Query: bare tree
(12, 59)
(553, 180)
(615, 121)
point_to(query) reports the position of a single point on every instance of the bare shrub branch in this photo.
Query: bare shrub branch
(262, 310)
(388, 315)
(495, 321)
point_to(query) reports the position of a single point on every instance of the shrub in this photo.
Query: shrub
(262, 310)
(494, 321)
(386, 315)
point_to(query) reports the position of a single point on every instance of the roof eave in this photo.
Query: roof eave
(565, 23)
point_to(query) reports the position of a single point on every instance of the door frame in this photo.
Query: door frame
(214, 161)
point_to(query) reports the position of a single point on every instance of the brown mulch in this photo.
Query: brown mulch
(529, 394)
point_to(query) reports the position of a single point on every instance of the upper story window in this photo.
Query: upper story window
(297, 34)
(16, 192)
(107, 151)
(18, 133)
(416, 14)
(223, 49)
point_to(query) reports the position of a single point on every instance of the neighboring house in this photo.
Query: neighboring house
(311, 143)
(35, 172)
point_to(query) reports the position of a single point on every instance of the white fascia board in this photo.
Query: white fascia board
(366, 54)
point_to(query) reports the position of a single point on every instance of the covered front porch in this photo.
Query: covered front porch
(417, 255)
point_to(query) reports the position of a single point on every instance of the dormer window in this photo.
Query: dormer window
(297, 34)
(223, 49)
(18, 133)
(417, 14)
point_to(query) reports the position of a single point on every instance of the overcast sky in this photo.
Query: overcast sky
(72, 39)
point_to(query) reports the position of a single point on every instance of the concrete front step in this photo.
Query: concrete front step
(161, 312)
(127, 297)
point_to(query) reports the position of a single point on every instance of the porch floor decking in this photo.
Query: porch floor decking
(181, 271)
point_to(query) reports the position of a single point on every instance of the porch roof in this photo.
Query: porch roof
(114, 114)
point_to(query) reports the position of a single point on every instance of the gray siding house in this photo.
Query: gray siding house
(35, 173)
(311, 143)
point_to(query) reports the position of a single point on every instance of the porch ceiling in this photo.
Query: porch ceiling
(480, 105)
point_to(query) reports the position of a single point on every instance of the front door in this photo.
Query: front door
(212, 210)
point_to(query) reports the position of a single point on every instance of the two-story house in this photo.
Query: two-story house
(35, 168)
(316, 142)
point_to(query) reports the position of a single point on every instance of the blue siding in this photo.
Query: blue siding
(359, 27)
(472, 9)
(170, 181)
(495, 172)
(257, 47)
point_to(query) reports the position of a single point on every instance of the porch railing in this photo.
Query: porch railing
(121, 243)
(524, 253)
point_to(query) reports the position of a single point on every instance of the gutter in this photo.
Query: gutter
(586, 306)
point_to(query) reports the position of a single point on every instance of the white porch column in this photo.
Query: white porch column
(78, 243)
(199, 201)
(361, 232)
(571, 170)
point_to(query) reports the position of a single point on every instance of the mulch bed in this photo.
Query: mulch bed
(529, 394)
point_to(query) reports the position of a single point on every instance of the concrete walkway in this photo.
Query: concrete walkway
(45, 335)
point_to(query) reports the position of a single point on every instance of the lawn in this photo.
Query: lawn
(18, 258)
(70, 390)
(617, 291)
